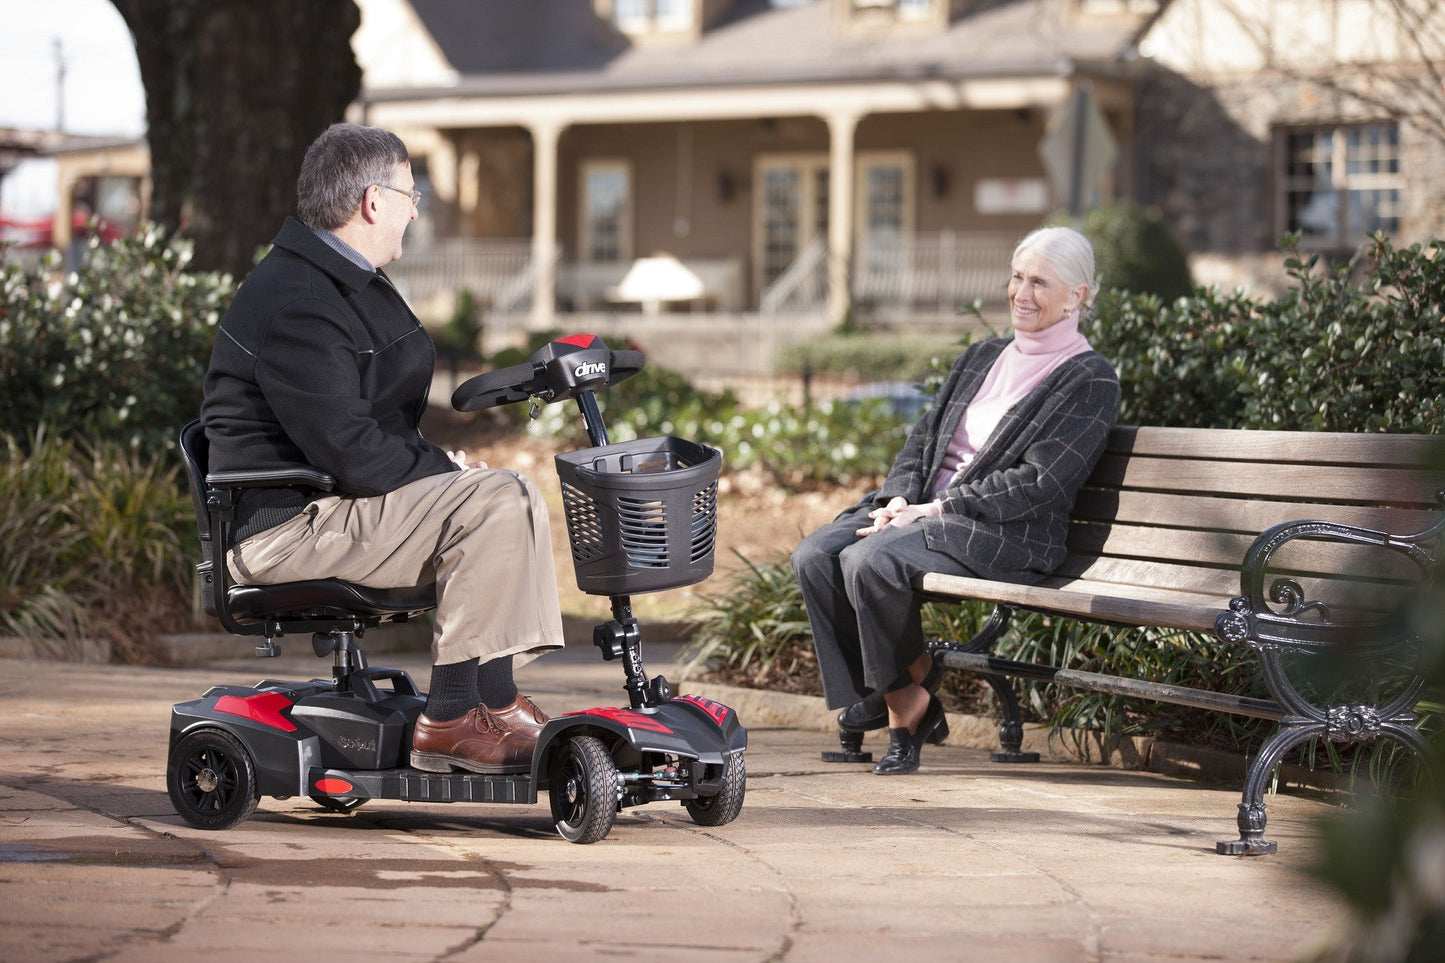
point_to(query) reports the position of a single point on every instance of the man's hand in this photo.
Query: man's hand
(898, 513)
(460, 457)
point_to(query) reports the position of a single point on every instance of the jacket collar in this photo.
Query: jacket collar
(302, 241)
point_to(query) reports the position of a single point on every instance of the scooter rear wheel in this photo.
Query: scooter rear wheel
(211, 780)
(583, 782)
(723, 808)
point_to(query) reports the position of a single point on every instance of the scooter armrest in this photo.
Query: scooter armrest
(272, 478)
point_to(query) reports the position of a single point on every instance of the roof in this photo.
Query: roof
(552, 46)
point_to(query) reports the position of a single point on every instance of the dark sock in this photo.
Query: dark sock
(494, 683)
(453, 691)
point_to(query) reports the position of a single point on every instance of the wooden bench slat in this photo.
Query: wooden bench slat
(1226, 549)
(1274, 447)
(1367, 485)
(1249, 516)
(1133, 577)
(1218, 582)
(1156, 607)
(1166, 544)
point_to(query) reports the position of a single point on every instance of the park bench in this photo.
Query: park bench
(1200, 529)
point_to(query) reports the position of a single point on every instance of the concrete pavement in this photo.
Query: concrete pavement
(965, 860)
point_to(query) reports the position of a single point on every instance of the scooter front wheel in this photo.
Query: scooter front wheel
(211, 780)
(722, 808)
(584, 789)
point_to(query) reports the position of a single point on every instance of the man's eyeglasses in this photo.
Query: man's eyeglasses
(415, 195)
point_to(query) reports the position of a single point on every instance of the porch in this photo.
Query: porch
(918, 281)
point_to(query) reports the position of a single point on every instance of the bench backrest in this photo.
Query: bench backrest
(1178, 508)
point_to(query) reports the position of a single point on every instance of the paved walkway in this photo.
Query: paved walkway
(964, 860)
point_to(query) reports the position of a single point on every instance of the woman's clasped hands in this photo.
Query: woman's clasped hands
(898, 513)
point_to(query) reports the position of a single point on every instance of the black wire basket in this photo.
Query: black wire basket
(641, 515)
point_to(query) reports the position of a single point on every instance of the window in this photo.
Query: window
(903, 10)
(884, 206)
(638, 17)
(1339, 184)
(606, 223)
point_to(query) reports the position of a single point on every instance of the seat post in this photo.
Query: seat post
(343, 664)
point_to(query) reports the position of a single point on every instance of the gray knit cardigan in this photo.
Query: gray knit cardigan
(1006, 516)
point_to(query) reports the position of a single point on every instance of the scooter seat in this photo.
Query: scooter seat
(325, 598)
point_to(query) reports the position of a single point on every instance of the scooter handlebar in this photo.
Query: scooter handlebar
(559, 370)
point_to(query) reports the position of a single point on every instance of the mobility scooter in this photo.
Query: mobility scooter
(641, 516)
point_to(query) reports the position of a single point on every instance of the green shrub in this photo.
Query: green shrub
(865, 357)
(114, 351)
(1134, 250)
(461, 335)
(95, 540)
(1356, 346)
(834, 442)
(1384, 854)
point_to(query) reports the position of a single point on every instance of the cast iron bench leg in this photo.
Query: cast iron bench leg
(1350, 723)
(1010, 724)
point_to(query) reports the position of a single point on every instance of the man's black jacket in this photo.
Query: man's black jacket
(318, 363)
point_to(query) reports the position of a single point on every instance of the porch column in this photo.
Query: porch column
(841, 127)
(544, 219)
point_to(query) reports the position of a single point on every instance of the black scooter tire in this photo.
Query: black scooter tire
(211, 780)
(583, 793)
(723, 808)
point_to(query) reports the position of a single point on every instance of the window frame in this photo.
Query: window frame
(1343, 183)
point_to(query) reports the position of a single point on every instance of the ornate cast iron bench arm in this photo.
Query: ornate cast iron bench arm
(1281, 621)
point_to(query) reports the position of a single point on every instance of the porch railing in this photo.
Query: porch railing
(937, 272)
(494, 271)
(921, 272)
(803, 286)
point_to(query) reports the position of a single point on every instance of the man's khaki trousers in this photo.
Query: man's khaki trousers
(480, 534)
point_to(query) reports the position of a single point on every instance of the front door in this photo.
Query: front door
(791, 211)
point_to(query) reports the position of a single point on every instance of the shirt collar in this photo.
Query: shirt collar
(334, 241)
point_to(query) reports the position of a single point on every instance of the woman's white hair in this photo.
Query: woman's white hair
(1070, 253)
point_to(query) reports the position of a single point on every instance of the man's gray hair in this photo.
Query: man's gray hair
(338, 168)
(1070, 253)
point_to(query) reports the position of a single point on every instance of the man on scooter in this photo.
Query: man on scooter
(320, 363)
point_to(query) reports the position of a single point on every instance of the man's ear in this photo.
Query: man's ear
(371, 204)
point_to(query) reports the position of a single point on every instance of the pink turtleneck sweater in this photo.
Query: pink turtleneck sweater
(1021, 368)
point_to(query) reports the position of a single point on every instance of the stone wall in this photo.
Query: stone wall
(1207, 160)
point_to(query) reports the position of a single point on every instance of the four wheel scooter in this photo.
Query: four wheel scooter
(641, 516)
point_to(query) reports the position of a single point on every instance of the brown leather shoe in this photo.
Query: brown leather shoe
(476, 742)
(521, 716)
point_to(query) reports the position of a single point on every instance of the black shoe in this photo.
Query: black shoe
(871, 712)
(904, 747)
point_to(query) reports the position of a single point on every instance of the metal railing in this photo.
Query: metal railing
(803, 286)
(920, 272)
(939, 271)
(493, 271)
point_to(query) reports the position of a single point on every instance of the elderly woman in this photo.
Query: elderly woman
(983, 487)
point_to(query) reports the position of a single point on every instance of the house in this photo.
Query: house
(799, 157)
(1325, 117)
(778, 164)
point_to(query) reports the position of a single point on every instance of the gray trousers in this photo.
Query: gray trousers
(859, 594)
(481, 535)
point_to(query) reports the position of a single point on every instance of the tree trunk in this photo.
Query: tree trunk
(235, 92)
